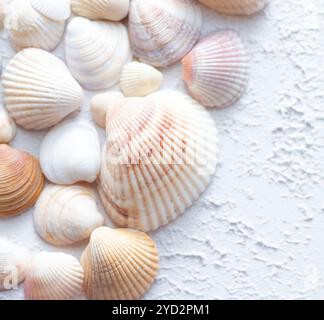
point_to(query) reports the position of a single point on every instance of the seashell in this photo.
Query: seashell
(21, 181)
(114, 10)
(216, 70)
(14, 262)
(119, 264)
(96, 52)
(160, 155)
(163, 32)
(235, 7)
(7, 126)
(53, 276)
(58, 10)
(67, 214)
(101, 103)
(33, 95)
(139, 80)
(70, 153)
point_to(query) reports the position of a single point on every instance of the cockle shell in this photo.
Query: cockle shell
(114, 10)
(216, 70)
(7, 126)
(53, 276)
(139, 79)
(119, 264)
(39, 90)
(159, 157)
(162, 32)
(21, 181)
(67, 214)
(96, 52)
(58, 10)
(70, 153)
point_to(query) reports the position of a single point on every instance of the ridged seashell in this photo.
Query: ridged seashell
(101, 103)
(70, 153)
(7, 126)
(159, 157)
(58, 10)
(163, 32)
(21, 181)
(67, 214)
(39, 90)
(14, 262)
(114, 10)
(96, 52)
(216, 70)
(53, 276)
(139, 79)
(119, 264)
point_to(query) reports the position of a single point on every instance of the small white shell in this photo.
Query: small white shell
(58, 10)
(7, 126)
(70, 153)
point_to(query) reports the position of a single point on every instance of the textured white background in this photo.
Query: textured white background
(258, 231)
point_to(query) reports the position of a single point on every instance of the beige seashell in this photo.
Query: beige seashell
(114, 10)
(21, 181)
(119, 264)
(101, 103)
(66, 215)
(216, 70)
(33, 95)
(7, 126)
(58, 10)
(139, 80)
(163, 32)
(96, 52)
(53, 276)
(160, 155)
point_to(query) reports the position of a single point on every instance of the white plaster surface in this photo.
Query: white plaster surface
(258, 231)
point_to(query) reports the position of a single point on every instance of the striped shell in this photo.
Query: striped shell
(7, 126)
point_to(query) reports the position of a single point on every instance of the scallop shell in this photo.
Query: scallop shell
(58, 10)
(21, 181)
(96, 52)
(114, 10)
(39, 90)
(216, 70)
(159, 157)
(119, 264)
(70, 152)
(139, 80)
(163, 32)
(66, 215)
(53, 276)
(7, 126)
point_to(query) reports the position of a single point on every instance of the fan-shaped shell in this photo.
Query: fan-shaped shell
(39, 90)
(162, 32)
(53, 276)
(119, 264)
(216, 70)
(70, 152)
(58, 10)
(21, 181)
(96, 52)
(159, 157)
(67, 214)
(7, 126)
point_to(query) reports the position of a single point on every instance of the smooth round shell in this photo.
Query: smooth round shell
(7, 126)
(58, 10)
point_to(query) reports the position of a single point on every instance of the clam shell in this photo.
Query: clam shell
(96, 52)
(21, 181)
(70, 153)
(53, 276)
(32, 93)
(67, 214)
(159, 157)
(7, 126)
(58, 10)
(216, 70)
(139, 80)
(163, 32)
(119, 264)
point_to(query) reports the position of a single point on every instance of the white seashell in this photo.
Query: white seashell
(39, 91)
(67, 214)
(53, 276)
(162, 32)
(58, 10)
(139, 79)
(101, 103)
(159, 157)
(7, 126)
(70, 153)
(96, 52)
(114, 10)
(216, 70)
